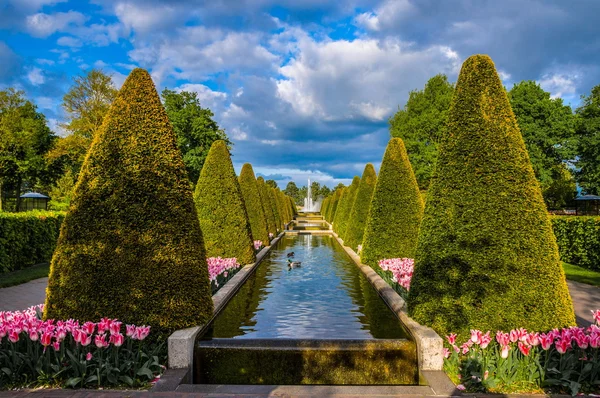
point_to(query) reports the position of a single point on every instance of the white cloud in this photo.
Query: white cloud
(238, 134)
(43, 61)
(144, 18)
(68, 41)
(35, 76)
(45, 102)
(390, 12)
(43, 25)
(560, 84)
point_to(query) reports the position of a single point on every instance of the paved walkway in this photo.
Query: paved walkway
(586, 298)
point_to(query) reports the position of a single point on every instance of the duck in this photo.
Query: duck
(294, 264)
(290, 254)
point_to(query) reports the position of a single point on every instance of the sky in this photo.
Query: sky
(304, 88)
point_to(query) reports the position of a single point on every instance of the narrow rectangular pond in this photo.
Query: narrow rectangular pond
(320, 323)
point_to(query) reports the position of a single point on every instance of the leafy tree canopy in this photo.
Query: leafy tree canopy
(588, 132)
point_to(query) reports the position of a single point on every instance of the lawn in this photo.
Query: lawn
(24, 275)
(583, 275)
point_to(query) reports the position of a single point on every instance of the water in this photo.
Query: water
(328, 297)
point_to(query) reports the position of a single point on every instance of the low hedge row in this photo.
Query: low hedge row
(28, 238)
(578, 240)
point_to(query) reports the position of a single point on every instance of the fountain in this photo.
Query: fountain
(309, 205)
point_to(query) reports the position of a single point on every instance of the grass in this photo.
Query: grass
(24, 275)
(583, 275)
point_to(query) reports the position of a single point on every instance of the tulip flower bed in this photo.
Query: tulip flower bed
(69, 354)
(258, 245)
(220, 270)
(397, 272)
(565, 360)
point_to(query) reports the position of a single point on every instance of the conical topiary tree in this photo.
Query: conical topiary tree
(332, 203)
(254, 207)
(360, 208)
(336, 201)
(487, 257)
(130, 246)
(292, 206)
(324, 206)
(275, 207)
(221, 208)
(265, 199)
(340, 204)
(392, 227)
(346, 207)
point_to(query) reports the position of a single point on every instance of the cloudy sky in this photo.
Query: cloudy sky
(303, 87)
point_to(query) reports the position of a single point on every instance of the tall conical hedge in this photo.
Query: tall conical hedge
(487, 257)
(275, 206)
(221, 209)
(265, 199)
(360, 208)
(335, 197)
(341, 225)
(254, 207)
(292, 206)
(340, 204)
(324, 206)
(392, 228)
(130, 246)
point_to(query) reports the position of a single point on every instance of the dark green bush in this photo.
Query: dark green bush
(254, 207)
(340, 204)
(275, 206)
(487, 258)
(335, 199)
(28, 238)
(360, 208)
(221, 209)
(325, 205)
(396, 211)
(130, 246)
(345, 207)
(578, 240)
(265, 199)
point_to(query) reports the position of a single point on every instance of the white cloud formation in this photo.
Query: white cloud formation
(43, 25)
(68, 41)
(560, 84)
(35, 76)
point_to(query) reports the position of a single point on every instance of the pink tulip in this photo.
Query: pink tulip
(596, 316)
(514, 335)
(61, 333)
(88, 356)
(141, 332)
(56, 345)
(533, 339)
(562, 345)
(451, 338)
(104, 325)
(582, 341)
(129, 330)
(524, 348)
(100, 342)
(504, 351)
(33, 334)
(485, 340)
(476, 336)
(46, 338)
(446, 352)
(13, 336)
(3, 330)
(86, 339)
(115, 327)
(89, 327)
(460, 387)
(502, 338)
(546, 340)
(117, 339)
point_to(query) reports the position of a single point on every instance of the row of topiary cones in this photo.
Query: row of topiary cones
(134, 242)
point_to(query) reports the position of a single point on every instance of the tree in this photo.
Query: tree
(339, 186)
(130, 246)
(588, 132)
(344, 209)
(324, 191)
(563, 189)
(335, 199)
(421, 124)
(24, 140)
(254, 207)
(325, 206)
(195, 128)
(265, 199)
(292, 190)
(360, 208)
(221, 209)
(392, 226)
(271, 183)
(487, 257)
(548, 129)
(275, 206)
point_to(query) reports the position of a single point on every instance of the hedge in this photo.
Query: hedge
(343, 198)
(345, 207)
(331, 210)
(325, 206)
(275, 206)
(487, 258)
(28, 238)
(360, 208)
(578, 240)
(130, 246)
(392, 227)
(265, 199)
(254, 207)
(221, 209)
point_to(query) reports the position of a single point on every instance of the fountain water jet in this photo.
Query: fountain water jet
(309, 205)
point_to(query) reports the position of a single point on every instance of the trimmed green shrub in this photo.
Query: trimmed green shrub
(28, 238)
(487, 258)
(254, 207)
(345, 208)
(578, 240)
(392, 228)
(292, 206)
(335, 197)
(343, 198)
(360, 208)
(221, 209)
(130, 246)
(265, 199)
(275, 206)
(324, 206)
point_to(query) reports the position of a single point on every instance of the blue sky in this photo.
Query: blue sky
(303, 88)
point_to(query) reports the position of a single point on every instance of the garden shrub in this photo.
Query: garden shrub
(221, 209)
(28, 238)
(324, 206)
(392, 227)
(578, 240)
(275, 206)
(130, 246)
(254, 207)
(340, 203)
(265, 200)
(285, 211)
(360, 208)
(487, 258)
(345, 207)
(334, 204)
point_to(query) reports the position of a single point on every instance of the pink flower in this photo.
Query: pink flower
(86, 339)
(33, 334)
(514, 335)
(582, 341)
(3, 330)
(100, 342)
(129, 330)
(485, 340)
(446, 352)
(524, 348)
(88, 356)
(76, 335)
(89, 327)
(504, 351)
(46, 338)
(502, 338)
(13, 336)
(562, 345)
(460, 387)
(115, 327)
(451, 338)
(60, 333)
(117, 339)
(141, 332)
(104, 325)
(533, 339)
(466, 347)
(596, 315)
(546, 341)
(476, 336)
(56, 345)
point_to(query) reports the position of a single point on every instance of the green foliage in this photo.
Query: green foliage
(254, 207)
(130, 246)
(583, 275)
(27, 238)
(265, 200)
(487, 258)
(195, 129)
(284, 209)
(25, 275)
(292, 190)
(340, 204)
(578, 240)
(335, 198)
(275, 206)
(325, 206)
(62, 192)
(392, 227)
(421, 124)
(562, 190)
(345, 207)
(360, 208)
(223, 216)
(588, 133)
(292, 205)
(271, 183)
